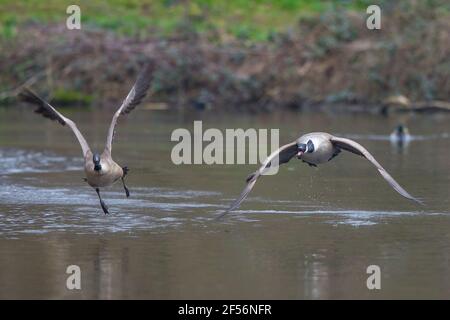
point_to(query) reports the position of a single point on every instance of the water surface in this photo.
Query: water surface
(305, 233)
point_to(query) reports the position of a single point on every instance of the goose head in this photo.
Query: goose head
(401, 131)
(96, 160)
(303, 148)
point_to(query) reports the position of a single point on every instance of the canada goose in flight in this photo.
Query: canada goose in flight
(100, 169)
(315, 148)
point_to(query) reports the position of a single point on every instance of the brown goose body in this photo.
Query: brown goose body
(101, 170)
(109, 173)
(323, 147)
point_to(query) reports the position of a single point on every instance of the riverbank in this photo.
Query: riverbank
(326, 58)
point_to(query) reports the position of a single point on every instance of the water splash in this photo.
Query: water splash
(25, 161)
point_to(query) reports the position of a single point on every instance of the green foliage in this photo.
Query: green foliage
(326, 55)
(254, 20)
(8, 28)
(71, 97)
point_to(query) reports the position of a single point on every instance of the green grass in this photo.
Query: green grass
(254, 20)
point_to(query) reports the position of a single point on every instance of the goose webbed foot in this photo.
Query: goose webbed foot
(104, 207)
(127, 192)
(102, 203)
(125, 172)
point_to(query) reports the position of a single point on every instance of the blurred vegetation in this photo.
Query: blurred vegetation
(255, 20)
(246, 55)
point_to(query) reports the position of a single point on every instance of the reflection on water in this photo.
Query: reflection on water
(410, 138)
(304, 233)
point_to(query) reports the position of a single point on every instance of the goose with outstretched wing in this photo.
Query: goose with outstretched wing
(315, 148)
(100, 169)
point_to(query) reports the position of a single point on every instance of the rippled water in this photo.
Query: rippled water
(303, 233)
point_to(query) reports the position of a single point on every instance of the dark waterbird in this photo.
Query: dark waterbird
(100, 169)
(315, 148)
(400, 137)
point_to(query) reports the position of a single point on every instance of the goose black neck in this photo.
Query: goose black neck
(96, 160)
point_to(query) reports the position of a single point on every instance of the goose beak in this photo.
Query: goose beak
(301, 149)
